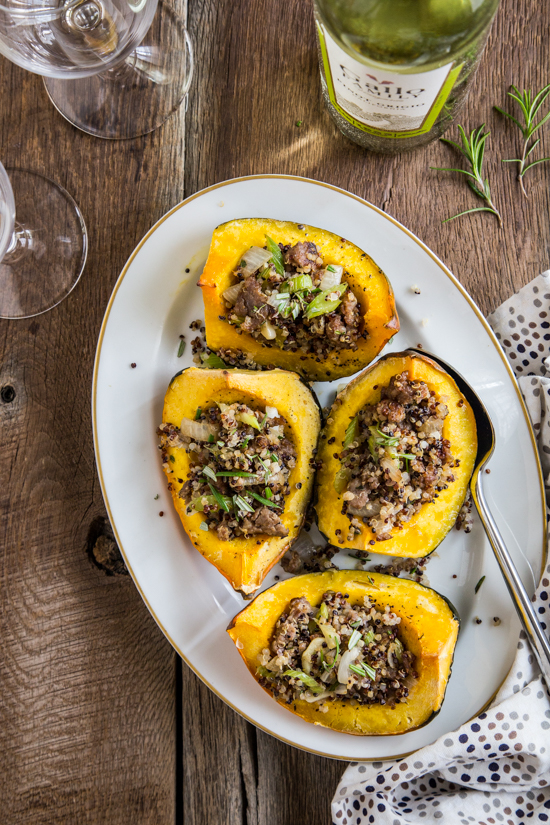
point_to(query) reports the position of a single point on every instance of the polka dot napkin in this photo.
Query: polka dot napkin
(495, 768)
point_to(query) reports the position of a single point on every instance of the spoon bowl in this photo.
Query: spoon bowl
(485, 448)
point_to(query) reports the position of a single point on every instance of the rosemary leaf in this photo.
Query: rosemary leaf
(530, 107)
(473, 148)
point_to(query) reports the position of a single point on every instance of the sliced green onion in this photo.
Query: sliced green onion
(309, 681)
(276, 255)
(250, 419)
(246, 441)
(214, 362)
(262, 422)
(398, 650)
(235, 474)
(263, 671)
(353, 639)
(369, 637)
(266, 468)
(330, 268)
(203, 526)
(181, 348)
(208, 471)
(478, 585)
(299, 283)
(220, 500)
(198, 413)
(352, 431)
(268, 493)
(358, 623)
(341, 479)
(323, 610)
(211, 439)
(263, 500)
(357, 669)
(321, 303)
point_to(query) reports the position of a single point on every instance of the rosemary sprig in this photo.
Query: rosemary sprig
(530, 107)
(473, 148)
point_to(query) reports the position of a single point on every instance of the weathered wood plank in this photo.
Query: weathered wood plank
(87, 681)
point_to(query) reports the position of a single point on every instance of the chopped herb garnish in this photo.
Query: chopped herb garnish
(246, 441)
(276, 255)
(322, 304)
(243, 263)
(173, 459)
(370, 579)
(353, 639)
(198, 414)
(352, 431)
(220, 500)
(263, 500)
(361, 559)
(208, 471)
(480, 582)
(357, 669)
(370, 671)
(369, 637)
(356, 624)
(181, 348)
(241, 504)
(210, 439)
(156, 497)
(262, 422)
(268, 493)
(203, 526)
(214, 362)
(235, 474)
(330, 268)
(263, 671)
(309, 681)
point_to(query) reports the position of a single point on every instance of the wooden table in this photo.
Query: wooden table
(99, 720)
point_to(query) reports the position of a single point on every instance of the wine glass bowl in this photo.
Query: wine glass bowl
(113, 68)
(76, 39)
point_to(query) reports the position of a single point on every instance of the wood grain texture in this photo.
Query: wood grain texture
(87, 681)
(89, 726)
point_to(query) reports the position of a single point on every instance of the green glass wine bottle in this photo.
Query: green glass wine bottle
(395, 73)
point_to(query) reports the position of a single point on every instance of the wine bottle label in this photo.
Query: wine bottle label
(380, 102)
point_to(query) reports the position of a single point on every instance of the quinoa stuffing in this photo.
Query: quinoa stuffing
(395, 459)
(337, 652)
(241, 460)
(285, 296)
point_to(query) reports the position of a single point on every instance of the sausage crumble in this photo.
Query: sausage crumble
(395, 458)
(337, 652)
(241, 460)
(289, 298)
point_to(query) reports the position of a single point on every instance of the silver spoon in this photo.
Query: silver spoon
(485, 449)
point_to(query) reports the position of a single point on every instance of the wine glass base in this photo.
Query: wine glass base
(46, 262)
(137, 96)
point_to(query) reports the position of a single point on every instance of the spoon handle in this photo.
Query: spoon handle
(523, 603)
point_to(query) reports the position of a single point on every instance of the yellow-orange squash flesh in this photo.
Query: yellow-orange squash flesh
(245, 561)
(368, 283)
(430, 525)
(428, 628)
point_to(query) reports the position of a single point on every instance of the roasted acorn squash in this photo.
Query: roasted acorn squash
(428, 628)
(245, 561)
(429, 526)
(366, 280)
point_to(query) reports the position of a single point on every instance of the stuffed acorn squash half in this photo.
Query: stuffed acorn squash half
(357, 652)
(237, 449)
(397, 454)
(295, 297)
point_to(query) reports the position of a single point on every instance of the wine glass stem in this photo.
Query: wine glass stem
(21, 244)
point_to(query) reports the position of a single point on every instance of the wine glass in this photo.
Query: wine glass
(43, 244)
(113, 68)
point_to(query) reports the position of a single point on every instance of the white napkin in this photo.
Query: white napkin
(495, 768)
